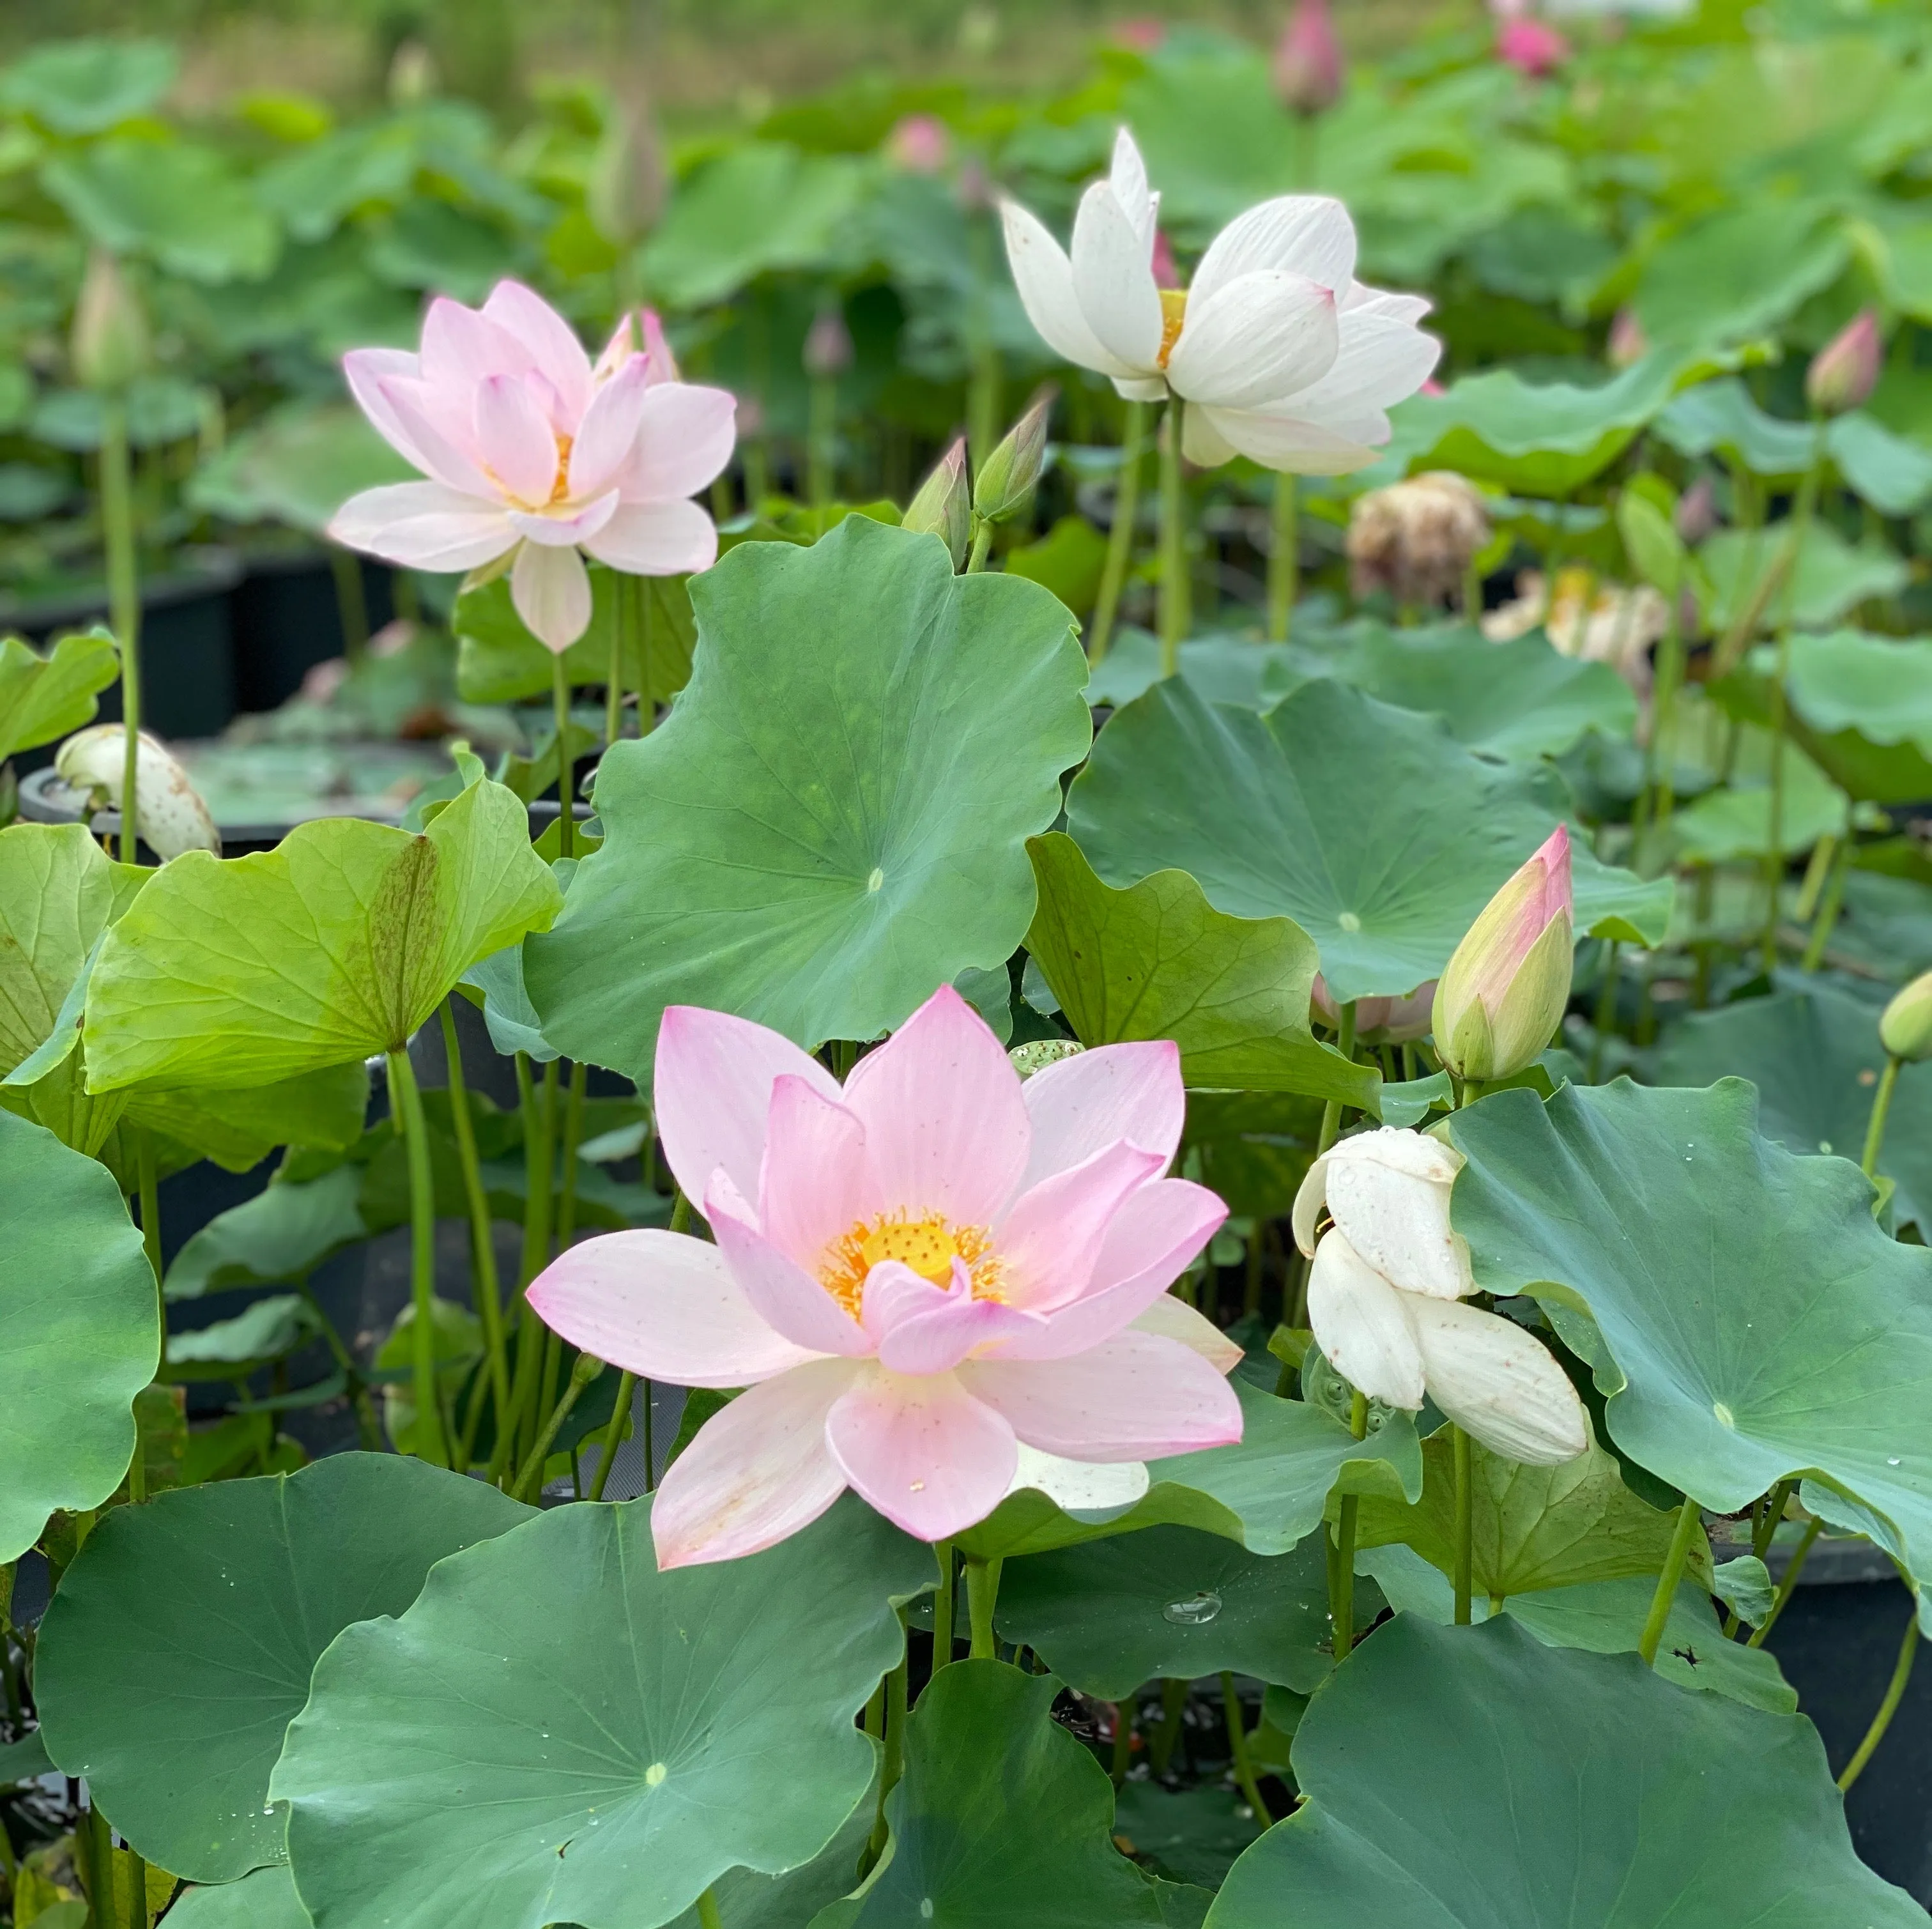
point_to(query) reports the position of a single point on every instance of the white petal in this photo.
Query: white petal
(1074, 1484)
(551, 590)
(657, 539)
(1044, 277)
(1498, 1383)
(1388, 1193)
(1202, 443)
(423, 526)
(566, 526)
(1362, 299)
(1141, 387)
(1128, 179)
(1113, 277)
(1362, 1323)
(1286, 443)
(1263, 338)
(1174, 1318)
(1309, 235)
(1380, 360)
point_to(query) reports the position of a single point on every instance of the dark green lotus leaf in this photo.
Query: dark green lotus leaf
(1002, 1817)
(1158, 961)
(265, 1899)
(1459, 1775)
(832, 821)
(1266, 1492)
(748, 1901)
(557, 1732)
(1755, 1321)
(1862, 705)
(1193, 1835)
(1814, 1053)
(180, 1643)
(1109, 1616)
(79, 1333)
(45, 697)
(1270, 815)
(1223, 669)
(283, 1234)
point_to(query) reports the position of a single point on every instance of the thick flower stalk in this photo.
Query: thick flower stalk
(935, 1283)
(1283, 355)
(1387, 1293)
(536, 457)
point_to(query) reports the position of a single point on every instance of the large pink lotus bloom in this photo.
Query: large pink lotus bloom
(936, 1283)
(532, 452)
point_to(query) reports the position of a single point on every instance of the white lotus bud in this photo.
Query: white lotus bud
(170, 816)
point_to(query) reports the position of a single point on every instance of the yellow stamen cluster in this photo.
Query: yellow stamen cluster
(929, 1246)
(1173, 313)
(560, 488)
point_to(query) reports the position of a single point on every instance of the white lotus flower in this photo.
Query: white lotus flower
(170, 817)
(1386, 1293)
(1283, 354)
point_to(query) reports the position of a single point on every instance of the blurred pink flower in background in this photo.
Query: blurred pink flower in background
(1143, 35)
(536, 457)
(935, 1282)
(1531, 46)
(920, 144)
(1309, 69)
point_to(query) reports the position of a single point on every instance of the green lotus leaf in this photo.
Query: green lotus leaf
(1192, 1834)
(239, 1129)
(298, 466)
(79, 1333)
(746, 1900)
(1890, 472)
(557, 1732)
(265, 1329)
(1886, 926)
(1158, 961)
(1266, 1492)
(1531, 1527)
(1726, 824)
(1814, 1053)
(180, 1644)
(1738, 273)
(45, 697)
(1269, 814)
(264, 1899)
(1722, 415)
(1862, 706)
(1831, 577)
(1110, 1615)
(511, 1019)
(1465, 1775)
(832, 819)
(1756, 1322)
(181, 205)
(1223, 669)
(1001, 1817)
(87, 86)
(335, 945)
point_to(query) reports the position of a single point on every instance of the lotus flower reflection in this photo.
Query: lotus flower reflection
(935, 1283)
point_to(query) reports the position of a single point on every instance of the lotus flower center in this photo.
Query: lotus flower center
(927, 1245)
(560, 489)
(1173, 313)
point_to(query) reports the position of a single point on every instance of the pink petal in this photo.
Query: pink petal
(424, 526)
(550, 340)
(922, 1329)
(1150, 1241)
(551, 591)
(946, 1127)
(926, 1454)
(366, 370)
(712, 1087)
(657, 539)
(811, 1180)
(657, 349)
(461, 349)
(756, 1471)
(607, 436)
(1051, 1238)
(1114, 1092)
(1136, 1396)
(684, 438)
(515, 440)
(442, 447)
(565, 527)
(664, 1307)
(1174, 1318)
(784, 1295)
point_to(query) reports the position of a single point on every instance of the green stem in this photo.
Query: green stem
(1121, 535)
(982, 541)
(1331, 1112)
(627, 1386)
(819, 456)
(566, 788)
(137, 1888)
(1607, 1010)
(1341, 1607)
(1173, 542)
(407, 1100)
(708, 1917)
(537, 1117)
(586, 1370)
(647, 703)
(1689, 1518)
(1284, 565)
(1173, 1712)
(573, 1137)
(891, 1764)
(1881, 1105)
(1237, 1743)
(124, 598)
(1466, 1520)
(1670, 681)
(1799, 1556)
(1828, 904)
(945, 1610)
(982, 1590)
(482, 1240)
(147, 1189)
(1901, 1673)
(622, 611)
(351, 604)
(1124, 1739)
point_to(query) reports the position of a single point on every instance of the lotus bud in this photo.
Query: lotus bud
(1627, 341)
(625, 193)
(1532, 47)
(1502, 995)
(1905, 1030)
(1009, 476)
(943, 506)
(1415, 541)
(1309, 69)
(919, 144)
(1378, 1021)
(828, 346)
(1697, 514)
(1142, 36)
(1845, 371)
(110, 345)
(170, 816)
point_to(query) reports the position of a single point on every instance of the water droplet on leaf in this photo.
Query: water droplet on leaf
(655, 1773)
(1196, 1611)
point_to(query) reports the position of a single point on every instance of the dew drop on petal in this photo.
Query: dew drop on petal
(1196, 1611)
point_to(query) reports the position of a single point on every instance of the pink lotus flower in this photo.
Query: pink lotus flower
(936, 1283)
(919, 144)
(1531, 46)
(1308, 66)
(534, 453)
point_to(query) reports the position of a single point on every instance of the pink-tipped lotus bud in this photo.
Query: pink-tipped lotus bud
(1627, 341)
(1379, 1020)
(828, 346)
(1845, 371)
(1009, 476)
(661, 365)
(1309, 70)
(1905, 1030)
(1697, 514)
(1142, 35)
(919, 144)
(1502, 995)
(110, 344)
(1531, 46)
(943, 506)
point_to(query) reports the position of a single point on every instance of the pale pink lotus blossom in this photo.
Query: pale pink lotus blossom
(537, 457)
(1531, 46)
(919, 144)
(1379, 1020)
(936, 1283)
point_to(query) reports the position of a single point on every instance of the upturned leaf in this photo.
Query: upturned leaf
(43, 697)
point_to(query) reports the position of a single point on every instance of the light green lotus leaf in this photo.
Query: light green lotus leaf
(87, 86)
(264, 1899)
(1862, 707)
(46, 696)
(1832, 577)
(298, 466)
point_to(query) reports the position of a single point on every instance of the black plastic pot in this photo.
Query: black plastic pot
(287, 618)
